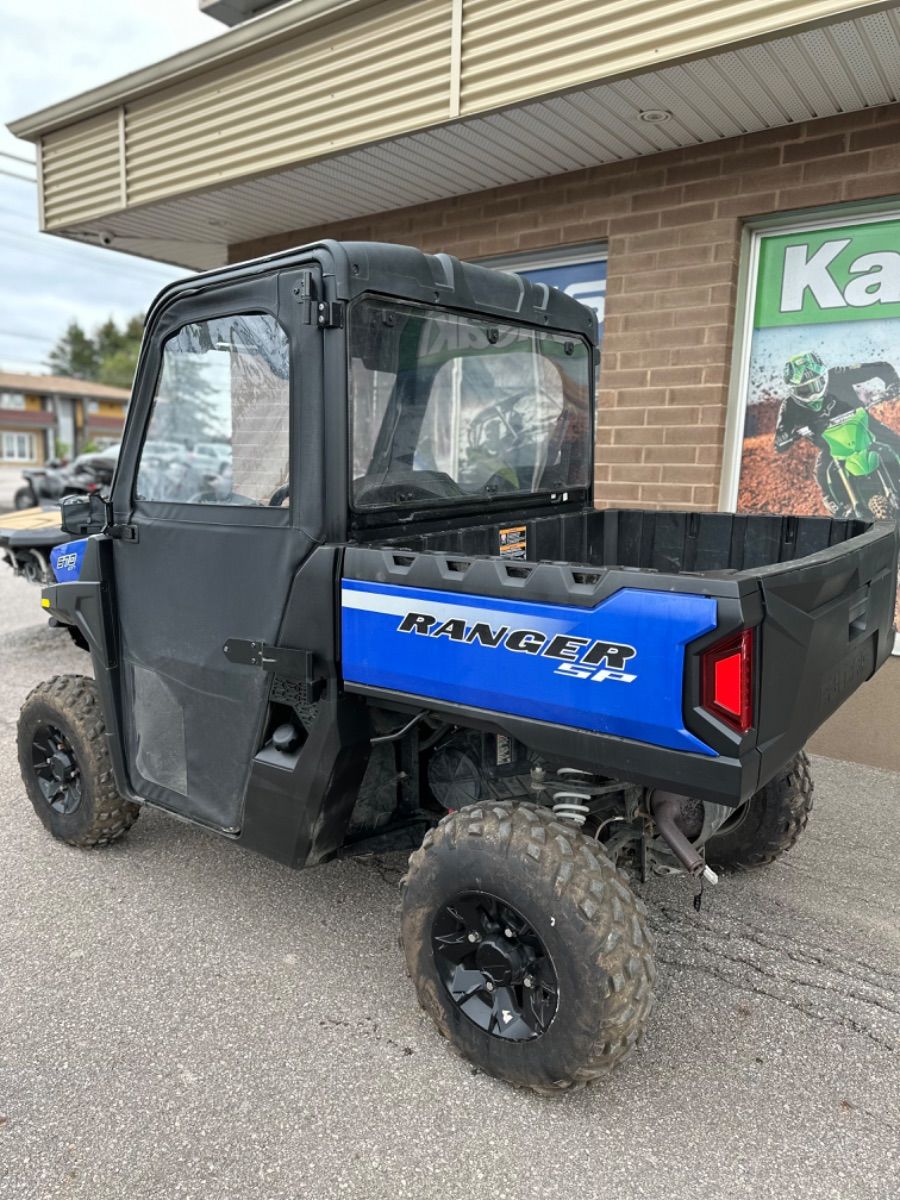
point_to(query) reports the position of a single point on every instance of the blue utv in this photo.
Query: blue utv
(394, 618)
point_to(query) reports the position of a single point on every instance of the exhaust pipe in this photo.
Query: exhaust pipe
(666, 807)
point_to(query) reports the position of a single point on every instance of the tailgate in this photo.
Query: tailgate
(828, 627)
(584, 666)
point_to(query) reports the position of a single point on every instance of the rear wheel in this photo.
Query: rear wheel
(65, 764)
(527, 947)
(769, 824)
(24, 498)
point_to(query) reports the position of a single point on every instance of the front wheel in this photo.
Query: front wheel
(65, 764)
(24, 498)
(527, 948)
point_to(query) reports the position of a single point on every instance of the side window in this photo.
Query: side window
(219, 426)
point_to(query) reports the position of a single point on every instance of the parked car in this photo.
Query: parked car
(215, 456)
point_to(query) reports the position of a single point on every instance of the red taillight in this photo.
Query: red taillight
(727, 681)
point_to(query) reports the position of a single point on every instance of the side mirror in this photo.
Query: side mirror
(83, 515)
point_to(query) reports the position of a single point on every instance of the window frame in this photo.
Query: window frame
(15, 457)
(431, 508)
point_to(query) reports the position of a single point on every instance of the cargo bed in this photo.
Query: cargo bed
(817, 594)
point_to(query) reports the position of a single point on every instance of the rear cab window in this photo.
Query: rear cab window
(446, 407)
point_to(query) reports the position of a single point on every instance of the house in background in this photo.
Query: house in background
(40, 414)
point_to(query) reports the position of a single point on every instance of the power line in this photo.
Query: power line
(17, 158)
(23, 362)
(62, 252)
(18, 213)
(49, 242)
(13, 175)
(34, 337)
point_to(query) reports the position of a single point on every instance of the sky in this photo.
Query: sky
(51, 50)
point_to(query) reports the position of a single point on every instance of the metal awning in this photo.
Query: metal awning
(322, 111)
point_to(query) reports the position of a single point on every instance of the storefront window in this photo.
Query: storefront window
(581, 275)
(820, 385)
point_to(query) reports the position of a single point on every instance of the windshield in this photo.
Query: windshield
(445, 406)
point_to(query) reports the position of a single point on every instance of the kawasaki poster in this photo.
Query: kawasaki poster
(822, 373)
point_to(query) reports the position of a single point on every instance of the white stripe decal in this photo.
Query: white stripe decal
(380, 602)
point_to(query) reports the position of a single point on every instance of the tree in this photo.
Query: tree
(108, 356)
(186, 410)
(75, 354)
(118, 369)
(109, 339)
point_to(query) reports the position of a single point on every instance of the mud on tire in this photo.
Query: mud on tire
(769, 824)
(581, 908)
(70, 706)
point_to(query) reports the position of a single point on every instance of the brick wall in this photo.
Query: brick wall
(673, 224)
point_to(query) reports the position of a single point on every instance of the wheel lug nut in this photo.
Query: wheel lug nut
(473, 937)
(489, 986)
(508, 932)
(528, 981)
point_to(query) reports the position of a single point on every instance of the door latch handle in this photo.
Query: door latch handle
(279, 660)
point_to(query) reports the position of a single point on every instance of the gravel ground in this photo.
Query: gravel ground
(179, 1018)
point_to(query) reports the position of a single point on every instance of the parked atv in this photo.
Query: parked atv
(47, 485)
(41, 484)
(377, 631)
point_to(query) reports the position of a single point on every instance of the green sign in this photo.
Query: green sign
(847, 273)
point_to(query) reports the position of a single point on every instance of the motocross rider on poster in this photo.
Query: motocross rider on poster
(819, 394)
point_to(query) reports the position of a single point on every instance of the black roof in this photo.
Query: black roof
(351, 268)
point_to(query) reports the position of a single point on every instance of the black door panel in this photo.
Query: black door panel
(214, 561)
(192, 717)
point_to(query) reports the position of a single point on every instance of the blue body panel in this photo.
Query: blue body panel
(634, 691)
(66, 560)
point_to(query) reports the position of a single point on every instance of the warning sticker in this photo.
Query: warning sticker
(513, 542)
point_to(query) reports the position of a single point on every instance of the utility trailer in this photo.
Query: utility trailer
(399, 622)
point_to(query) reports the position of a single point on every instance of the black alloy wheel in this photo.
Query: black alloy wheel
(494, 966)
(56, 769)
(65, 763)
(526, 946)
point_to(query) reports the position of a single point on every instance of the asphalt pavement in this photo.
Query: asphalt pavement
(182, 1019)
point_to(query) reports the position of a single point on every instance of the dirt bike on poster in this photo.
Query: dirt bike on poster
(863, 474)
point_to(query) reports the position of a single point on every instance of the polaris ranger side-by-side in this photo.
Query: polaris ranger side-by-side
(396, 620)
